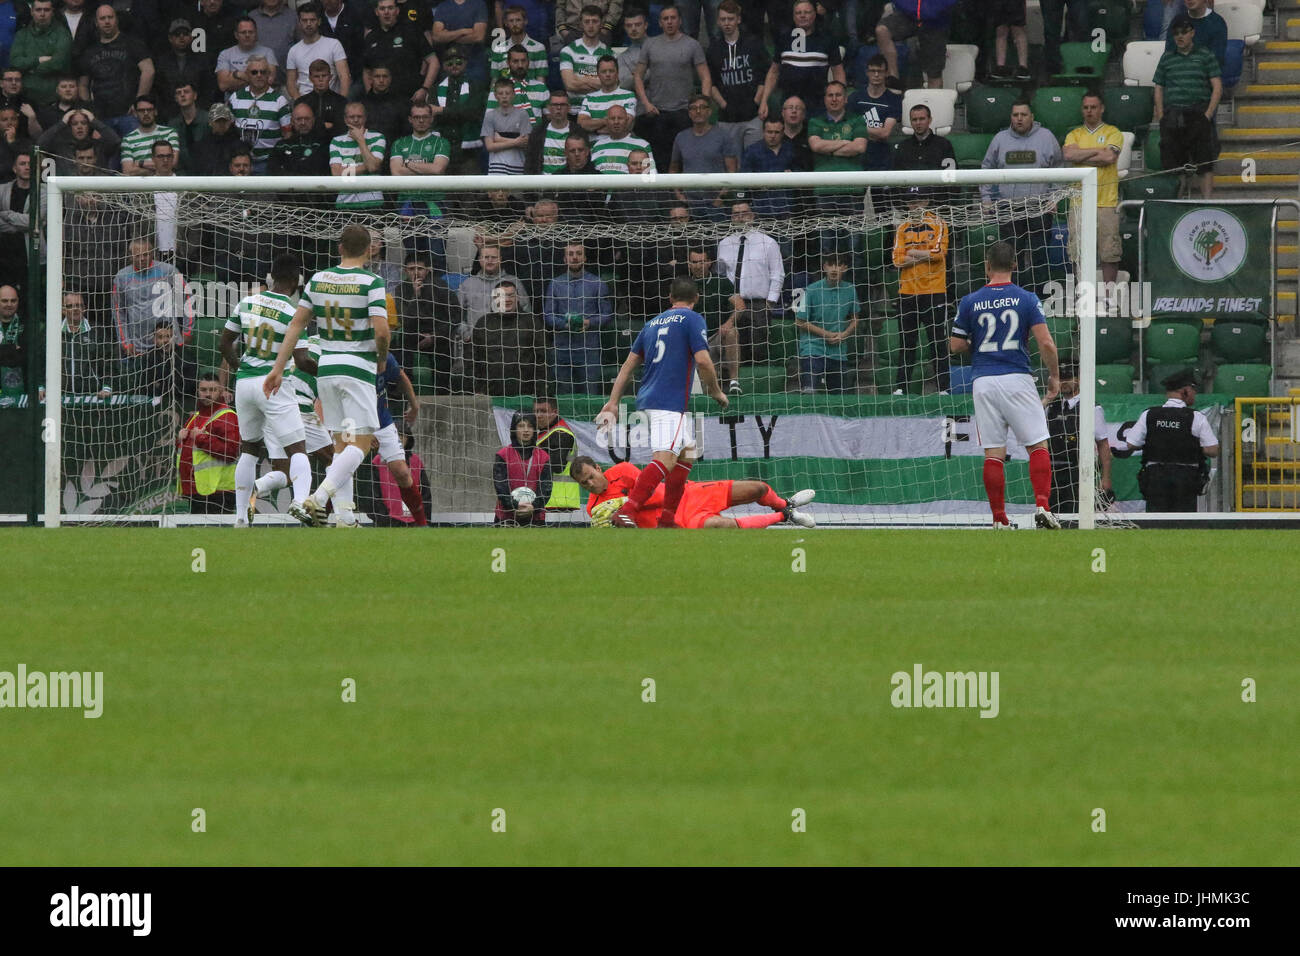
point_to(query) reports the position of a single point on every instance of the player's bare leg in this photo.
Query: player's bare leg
(1040, 475)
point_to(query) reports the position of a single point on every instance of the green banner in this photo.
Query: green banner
(1207, 259)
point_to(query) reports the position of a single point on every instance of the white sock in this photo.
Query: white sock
(343, 498)
(271, 481)
(245, 475)
(339, 471)
(300, 470)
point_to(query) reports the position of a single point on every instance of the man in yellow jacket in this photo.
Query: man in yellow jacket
(207, 448)
(921, 257)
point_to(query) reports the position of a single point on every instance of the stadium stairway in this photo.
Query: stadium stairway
(1262, 123)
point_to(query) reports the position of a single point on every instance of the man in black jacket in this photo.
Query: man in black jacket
(429, 313)
(925, 149)
(326, 105)
(211, 156)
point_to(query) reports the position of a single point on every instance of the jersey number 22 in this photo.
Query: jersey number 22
(991, 324)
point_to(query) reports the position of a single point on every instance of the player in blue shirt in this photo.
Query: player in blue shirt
(672, 345)
(994, 325)
(391, 451)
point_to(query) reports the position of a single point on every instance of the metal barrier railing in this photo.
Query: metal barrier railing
(1267, 453)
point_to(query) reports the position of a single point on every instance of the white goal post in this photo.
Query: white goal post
(1081, 181)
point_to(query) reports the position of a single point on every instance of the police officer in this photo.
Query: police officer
(1063, 444)
(1175, 441)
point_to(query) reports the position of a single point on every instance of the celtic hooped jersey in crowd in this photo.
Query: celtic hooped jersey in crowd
(423, 149)
(259, 118)
(345, 151)
(138, 146)
(260, 320)
(344, 300)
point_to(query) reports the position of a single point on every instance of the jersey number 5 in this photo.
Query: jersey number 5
(660, 347)
(989, 323)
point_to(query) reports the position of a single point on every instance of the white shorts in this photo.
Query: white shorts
(1008, 401)
(348, 404)
(315, 437)
(274, 418)
(390, 445)
(671, 431)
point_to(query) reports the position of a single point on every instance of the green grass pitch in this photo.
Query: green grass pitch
(522, 691)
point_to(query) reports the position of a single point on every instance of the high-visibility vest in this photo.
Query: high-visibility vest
(565, 492)
(210, 472)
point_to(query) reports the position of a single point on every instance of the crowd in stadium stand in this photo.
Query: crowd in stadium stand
(362, 87)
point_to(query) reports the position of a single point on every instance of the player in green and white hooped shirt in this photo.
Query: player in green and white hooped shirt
(260, 322)
(300, 382)
(350, 308)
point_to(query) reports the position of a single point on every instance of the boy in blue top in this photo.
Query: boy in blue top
(826, 316)
(672, 345)
(994, 324)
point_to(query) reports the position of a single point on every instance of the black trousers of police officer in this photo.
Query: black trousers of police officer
(1170, 487)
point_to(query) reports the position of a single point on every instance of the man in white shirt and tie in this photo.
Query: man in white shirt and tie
(751, 259)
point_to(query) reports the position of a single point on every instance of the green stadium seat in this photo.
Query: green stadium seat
(1065, 333)
(1129, 239)
(1243, 381)
(969, 148)
(1114, 18)
(1081, 64)
(1058, 108)
(1150, 187)
(1129, 107)
(1151, 151)
(878, 250)
(1186, 318)
(421, 378)
(783, 342)
(1238, 342)
(1114, 340)
(1114, 379)
(1156, 374)
(1172, 342)
(988, 108)
(763, 379)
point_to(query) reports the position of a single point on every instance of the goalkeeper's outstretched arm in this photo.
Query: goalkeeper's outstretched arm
(291, 336)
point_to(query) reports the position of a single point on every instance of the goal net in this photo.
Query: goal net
(829, 300)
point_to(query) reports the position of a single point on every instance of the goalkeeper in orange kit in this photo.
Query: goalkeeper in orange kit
(702, 501)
